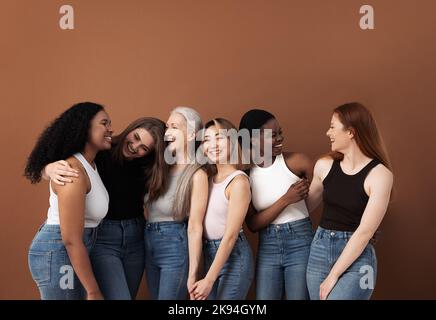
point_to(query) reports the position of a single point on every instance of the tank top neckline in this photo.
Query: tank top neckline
(79, 156)
(357, 173)
(225, 180)
(276, 161)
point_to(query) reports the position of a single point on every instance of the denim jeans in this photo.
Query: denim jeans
(50, 265)
(118, 258)
(166, 260)
(356, 283)
(236, 275)
(282, 261)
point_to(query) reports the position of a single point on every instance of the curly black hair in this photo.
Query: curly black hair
(64, 137)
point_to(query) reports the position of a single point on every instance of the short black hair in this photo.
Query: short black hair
(254, 119)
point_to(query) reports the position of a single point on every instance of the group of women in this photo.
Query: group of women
(119, 207)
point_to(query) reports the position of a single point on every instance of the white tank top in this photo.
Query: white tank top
(96, 201)
(215, 220)
(269, 184)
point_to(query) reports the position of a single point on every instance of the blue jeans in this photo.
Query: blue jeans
(118, 258)
(356, 283)
(282, 261)
(166, 260)
(236, 275)
(50, 265)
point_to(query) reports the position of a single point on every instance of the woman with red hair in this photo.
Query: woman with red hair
(354, 181)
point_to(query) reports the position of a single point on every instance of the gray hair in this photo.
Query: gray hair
(182, 200)
(191, 116)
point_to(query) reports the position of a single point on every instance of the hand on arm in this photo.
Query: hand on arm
(300, 165)
(60, 172)
(296, 192)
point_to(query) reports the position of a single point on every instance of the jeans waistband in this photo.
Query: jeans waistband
(57, 228)
(165, 224)
(124, 222)
(287, 226)
(346, 235)
(216, 242)
(326, 233)
(53, 231)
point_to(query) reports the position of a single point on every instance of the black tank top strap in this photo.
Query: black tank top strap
(371, 165)
(333, 171)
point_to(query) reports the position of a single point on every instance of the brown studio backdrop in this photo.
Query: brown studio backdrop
(298, 59)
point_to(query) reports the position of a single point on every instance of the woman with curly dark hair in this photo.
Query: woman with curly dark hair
(59, 254)
(134, 165)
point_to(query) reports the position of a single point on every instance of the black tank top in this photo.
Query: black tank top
(344, 198)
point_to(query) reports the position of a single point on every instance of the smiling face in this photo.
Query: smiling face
(271, 136)
(340, 137)
(137, 144)
(100, 131)
(176, 132)
(216, 145)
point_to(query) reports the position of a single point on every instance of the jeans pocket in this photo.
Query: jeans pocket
(40, 267)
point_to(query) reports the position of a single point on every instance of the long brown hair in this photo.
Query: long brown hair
(157, 169)
(357, 118)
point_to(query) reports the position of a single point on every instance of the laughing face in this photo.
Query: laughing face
(216, 145)
(100, 131)
(340, 138)
(137, 144)
(271, 136)
(176, 132)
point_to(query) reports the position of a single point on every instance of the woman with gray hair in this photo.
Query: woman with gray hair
(174, 247)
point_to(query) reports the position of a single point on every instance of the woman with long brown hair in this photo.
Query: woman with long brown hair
(133, 165)
(354, 182)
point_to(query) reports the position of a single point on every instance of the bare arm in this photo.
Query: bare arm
(71, 201)
(322, 168)
(58, 172)
(379, 183)
(239, 200)
(302, 166)
(199, 199)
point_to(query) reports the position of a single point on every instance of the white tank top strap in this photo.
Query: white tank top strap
(89, 169)
(231, 176)
(280, 159)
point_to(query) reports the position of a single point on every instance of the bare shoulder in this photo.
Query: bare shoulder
(297, 158)
(75, 164)
(80, 183)
(323, 166)
(380, 175)
(299, 163)
(200, 176)
(240, 183)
